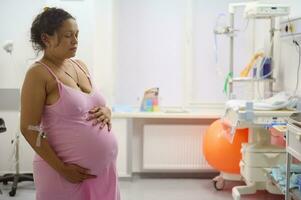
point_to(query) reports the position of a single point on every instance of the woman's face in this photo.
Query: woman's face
(63, 44)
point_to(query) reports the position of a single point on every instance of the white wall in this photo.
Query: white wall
(15, 20)
(149, 43)
(95, 39)
(104, 70)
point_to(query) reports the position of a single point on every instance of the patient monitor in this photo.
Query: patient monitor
(261, 10)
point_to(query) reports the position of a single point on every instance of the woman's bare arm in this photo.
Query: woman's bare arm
(33, 98)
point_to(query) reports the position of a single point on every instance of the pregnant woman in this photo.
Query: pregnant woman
(64, 118)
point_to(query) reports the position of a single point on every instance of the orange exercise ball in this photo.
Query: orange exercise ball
(219, 152)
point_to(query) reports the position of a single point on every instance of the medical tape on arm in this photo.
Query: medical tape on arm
(40, 135)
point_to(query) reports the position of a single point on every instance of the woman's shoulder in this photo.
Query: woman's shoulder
(38, 72)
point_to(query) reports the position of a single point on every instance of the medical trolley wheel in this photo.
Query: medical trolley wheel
(219, 184)
(219, 181)
(12, 193)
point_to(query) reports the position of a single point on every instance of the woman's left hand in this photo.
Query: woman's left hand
(101, 115)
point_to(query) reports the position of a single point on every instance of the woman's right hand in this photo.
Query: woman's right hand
(75, 174)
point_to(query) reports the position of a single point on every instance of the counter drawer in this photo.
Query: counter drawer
(267, 159)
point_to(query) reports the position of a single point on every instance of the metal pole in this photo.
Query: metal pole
(272, 34)
(231, 58)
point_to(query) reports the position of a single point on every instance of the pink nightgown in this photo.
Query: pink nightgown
(77, 141)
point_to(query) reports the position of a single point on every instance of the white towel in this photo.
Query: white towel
(281, 100)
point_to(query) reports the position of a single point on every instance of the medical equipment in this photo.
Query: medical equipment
(261, 10)
(2, 126)
(2, 129)
(290, 28)
(248, 68)
(253, 10)
(10, 101)
(290, 33)
(258, 154)
(17, 177)
(293, 138)
(259, 147)
(40, 135)
(264, 70)
(281, 100)
(298, 69)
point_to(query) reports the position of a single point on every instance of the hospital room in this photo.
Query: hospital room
(150, 100)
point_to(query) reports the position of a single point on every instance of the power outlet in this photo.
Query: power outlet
(291, 27)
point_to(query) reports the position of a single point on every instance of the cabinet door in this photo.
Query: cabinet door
(120, 129)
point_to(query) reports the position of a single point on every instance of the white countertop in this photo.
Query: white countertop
(201, 114)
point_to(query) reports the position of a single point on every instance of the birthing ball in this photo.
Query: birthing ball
(219, 152)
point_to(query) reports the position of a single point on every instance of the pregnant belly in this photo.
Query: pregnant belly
(87, 146)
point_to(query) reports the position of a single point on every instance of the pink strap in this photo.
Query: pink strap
(48, 68)
(53, 74)
(80, 67)
(86, 73)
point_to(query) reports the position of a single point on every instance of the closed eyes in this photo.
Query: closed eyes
(69, 35)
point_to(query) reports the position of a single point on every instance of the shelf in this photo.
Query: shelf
(293, 146)
(296, 194)
(293, 138)
(271, 178)
(250, 79)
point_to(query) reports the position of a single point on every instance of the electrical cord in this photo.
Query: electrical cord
(298, 69)
(246, 25)
(216, 26)
(296, 43)
(259, 70)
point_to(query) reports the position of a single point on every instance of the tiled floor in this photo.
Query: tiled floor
(157, 189)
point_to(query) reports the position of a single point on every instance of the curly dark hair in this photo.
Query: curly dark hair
(49, 21)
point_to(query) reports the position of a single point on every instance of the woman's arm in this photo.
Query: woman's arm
(99, 114)
(33, 99)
